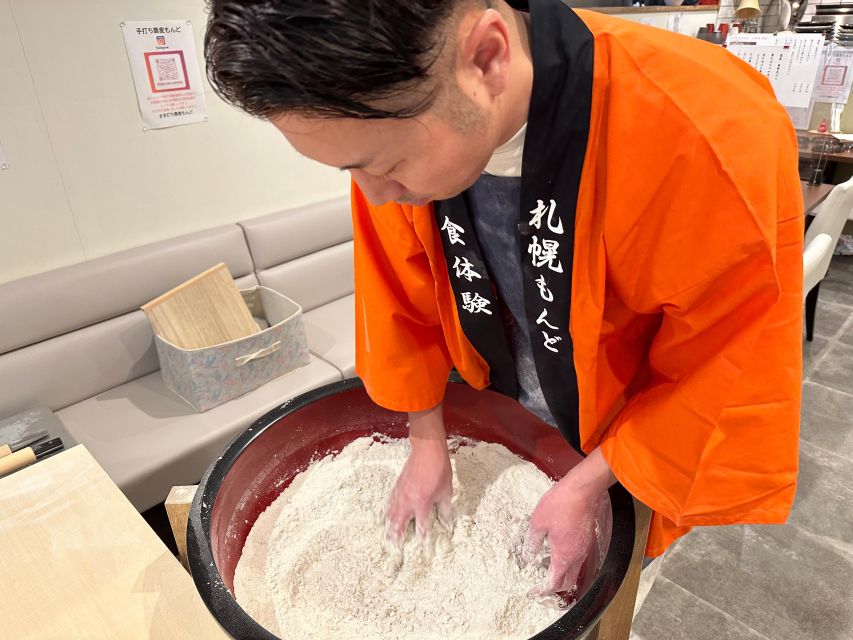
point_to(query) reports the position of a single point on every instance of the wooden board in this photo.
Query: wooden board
(615, 624)
(204, 311)
(178, 504)
(78, 561)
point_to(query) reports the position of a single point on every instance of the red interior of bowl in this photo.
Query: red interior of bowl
(328, 424)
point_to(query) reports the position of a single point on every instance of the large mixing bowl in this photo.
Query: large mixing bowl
(260, 463)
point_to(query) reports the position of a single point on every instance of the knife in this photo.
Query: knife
(28, 455)
(22, 442)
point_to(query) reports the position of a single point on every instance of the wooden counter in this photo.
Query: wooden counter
(656, 9)
(845, 157)
(811, 144)
(78, 561)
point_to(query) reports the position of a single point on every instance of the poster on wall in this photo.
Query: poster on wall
(790, 62)
(836, 76)
(801, 118)
(164, 64)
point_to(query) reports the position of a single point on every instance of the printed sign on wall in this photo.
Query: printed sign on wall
(165, 69)
(790, 62)
(836, 76)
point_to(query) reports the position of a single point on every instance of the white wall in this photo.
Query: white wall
(684, 22)
(768, 21)
(84, 180)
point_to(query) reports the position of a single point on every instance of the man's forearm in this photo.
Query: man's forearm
(593, 473)
(427, 427)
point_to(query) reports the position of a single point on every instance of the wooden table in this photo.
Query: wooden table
(814, 195)
(844, 157)
(78, 561)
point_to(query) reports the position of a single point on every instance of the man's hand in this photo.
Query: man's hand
(426, 479)
(565, 516)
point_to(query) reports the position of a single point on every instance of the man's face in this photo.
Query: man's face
(411, 161)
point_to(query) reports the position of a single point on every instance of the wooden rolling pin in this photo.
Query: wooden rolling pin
(27, 456)
(20, 443)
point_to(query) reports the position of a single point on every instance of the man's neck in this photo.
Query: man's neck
(516, 103)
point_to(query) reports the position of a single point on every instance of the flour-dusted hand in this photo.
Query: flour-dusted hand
(565, 517)
(423, 487)
(425, 484)
(567, 520)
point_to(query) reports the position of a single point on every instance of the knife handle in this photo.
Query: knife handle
(5, 450)
(17, 460)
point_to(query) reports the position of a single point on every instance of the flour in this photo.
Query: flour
(314, 564)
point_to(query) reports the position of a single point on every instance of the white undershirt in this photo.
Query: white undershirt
(506, 160)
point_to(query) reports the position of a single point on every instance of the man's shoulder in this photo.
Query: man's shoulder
(672, 62)
(677, 93)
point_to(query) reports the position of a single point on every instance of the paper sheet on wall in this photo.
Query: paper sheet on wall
(164, 63)
(673, 23)
(790, 62)
(801, 118)
(3, 163)
(836, 76)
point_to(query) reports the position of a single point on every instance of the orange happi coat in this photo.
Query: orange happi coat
(686, 294)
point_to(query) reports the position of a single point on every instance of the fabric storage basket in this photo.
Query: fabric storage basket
(209, 376)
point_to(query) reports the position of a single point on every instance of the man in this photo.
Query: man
(600, 219)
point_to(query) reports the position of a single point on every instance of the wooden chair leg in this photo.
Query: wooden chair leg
(615, 624)
(178, 505)
(811, 308)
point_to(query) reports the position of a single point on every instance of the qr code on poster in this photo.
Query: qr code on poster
(167, 71)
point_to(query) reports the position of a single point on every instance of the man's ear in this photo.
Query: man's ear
(483, 54)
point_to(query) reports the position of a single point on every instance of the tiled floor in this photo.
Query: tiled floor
(789, 582)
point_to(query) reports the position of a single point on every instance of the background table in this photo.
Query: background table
(814, 195)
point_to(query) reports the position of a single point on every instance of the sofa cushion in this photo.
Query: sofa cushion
(64, 370)
(316, 279)
(62, 300)
(331, 333)
(286, 235)
(246, 282)
(148, 439)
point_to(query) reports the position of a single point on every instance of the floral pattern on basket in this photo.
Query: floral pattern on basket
(207, 377)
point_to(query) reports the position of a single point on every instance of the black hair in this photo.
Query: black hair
(328, 58)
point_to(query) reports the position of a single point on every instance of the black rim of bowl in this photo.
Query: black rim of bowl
(234, 620)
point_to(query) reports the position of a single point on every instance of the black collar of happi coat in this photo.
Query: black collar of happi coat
(552, 162)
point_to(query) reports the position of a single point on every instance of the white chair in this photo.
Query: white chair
(821, 238)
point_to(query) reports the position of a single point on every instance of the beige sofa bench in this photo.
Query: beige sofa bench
(74, 340)
(315, 268)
